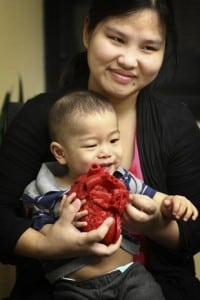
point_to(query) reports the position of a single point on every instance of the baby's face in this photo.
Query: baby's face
(95, 139)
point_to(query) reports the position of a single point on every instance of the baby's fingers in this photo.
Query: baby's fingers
(79, 224)
(66, 200)
(195, 213)
(186, 213)
(191, 213)
(80, 214)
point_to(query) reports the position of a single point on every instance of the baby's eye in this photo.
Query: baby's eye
(113, 141)
(90, 146)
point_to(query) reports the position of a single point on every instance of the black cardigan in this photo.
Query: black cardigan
(169, 149)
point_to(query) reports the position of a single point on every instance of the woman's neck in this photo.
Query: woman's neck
(127, 119)
(124, 107)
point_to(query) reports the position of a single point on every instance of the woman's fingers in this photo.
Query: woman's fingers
(94, 237)
(141, 211)
(75, 241)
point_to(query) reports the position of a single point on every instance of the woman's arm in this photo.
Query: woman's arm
(183, 175)
(170, 157)
(63, 239)
(143, 215)
(24, 147)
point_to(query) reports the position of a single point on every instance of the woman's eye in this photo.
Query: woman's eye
(116, 39)
(150, 48)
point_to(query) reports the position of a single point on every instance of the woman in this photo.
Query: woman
(127, 45)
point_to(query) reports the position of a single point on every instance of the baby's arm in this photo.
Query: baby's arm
(45, 229)
(178, 207)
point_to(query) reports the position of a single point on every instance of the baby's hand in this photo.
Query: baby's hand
(178, 207)
(81, 213)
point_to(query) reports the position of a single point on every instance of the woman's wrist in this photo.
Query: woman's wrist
(164, 231)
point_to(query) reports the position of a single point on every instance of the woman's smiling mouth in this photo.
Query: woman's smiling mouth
(122, 76)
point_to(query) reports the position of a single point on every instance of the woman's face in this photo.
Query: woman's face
(125, 53)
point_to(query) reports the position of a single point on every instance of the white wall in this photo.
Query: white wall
(21, 53)
(21, 47)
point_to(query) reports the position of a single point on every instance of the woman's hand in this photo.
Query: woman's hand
(63, 239)
(142, 215)
(140, 211)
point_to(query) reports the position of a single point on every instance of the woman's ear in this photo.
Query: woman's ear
(58, 153)
(86, 33)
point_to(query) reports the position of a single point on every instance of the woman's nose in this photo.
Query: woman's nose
(129, 58)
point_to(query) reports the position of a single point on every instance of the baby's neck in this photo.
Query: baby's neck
(63, 181)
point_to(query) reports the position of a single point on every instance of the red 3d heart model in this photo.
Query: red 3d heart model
(106, 196)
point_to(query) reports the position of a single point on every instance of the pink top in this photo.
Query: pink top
(135, 167)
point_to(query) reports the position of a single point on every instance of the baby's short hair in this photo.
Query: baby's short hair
(72, 105)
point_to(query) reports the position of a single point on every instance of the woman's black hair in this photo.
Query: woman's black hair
(102, 9)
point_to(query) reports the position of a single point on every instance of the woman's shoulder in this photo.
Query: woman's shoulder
(169, 104)
(45, 99)
(35, 109)
(177, 121)
(173, 110)
(167, 117)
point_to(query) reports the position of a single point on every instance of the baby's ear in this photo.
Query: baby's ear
(58, 153)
